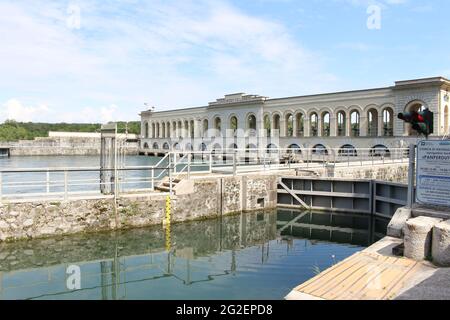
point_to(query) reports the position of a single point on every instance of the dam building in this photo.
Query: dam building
(352, 119)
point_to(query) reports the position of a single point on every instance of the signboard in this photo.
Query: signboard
(433, 173)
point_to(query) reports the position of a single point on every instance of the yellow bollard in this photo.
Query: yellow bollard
(167, 224)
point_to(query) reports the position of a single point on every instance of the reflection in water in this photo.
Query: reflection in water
(249, 256)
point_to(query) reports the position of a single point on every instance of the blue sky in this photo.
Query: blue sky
(85, 61)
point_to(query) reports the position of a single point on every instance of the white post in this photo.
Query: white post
(48, 181)
(234, 163)
(65, 185)
(1, 187)
(153, 178)
(174, 161)
(210, 162)
(189, 166)
(170, 180)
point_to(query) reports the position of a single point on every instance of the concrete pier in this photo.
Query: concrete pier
(376, 274)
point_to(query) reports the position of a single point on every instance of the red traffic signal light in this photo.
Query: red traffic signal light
(422, 122)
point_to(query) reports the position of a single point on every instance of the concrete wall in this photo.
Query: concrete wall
(207, 200)
(203, 237)
(392, 172)
(55, 146)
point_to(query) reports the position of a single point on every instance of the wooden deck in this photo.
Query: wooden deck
(367, 275)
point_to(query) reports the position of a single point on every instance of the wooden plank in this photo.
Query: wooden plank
(336, 271)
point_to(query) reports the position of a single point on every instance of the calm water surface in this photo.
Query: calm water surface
(36, 182)
(249, 256)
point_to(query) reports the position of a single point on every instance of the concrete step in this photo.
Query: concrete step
(162, 188)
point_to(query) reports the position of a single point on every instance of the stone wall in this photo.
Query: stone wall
(57, 146)
(391, 172)
(204, 237)
(207, 200)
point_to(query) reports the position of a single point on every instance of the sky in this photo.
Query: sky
(101, 60)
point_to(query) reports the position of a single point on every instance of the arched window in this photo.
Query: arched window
(388, 122)
(169, 132)
(341, 124)
(153, 130)
(180, 129)
(267, 125)
(192, 129)
(348, 151)
(155, 146)
(294, 148)
(163, 129)
(326, 124)
(355, 123)
(372, 123)
(203, 147)
(272, 148)
(320, 149)
(205, 127)
(176, 146)
(186, 129)
(146, 130)
(157, 131)
(251, 122)
(446, 120)
(380, 151)
(234, 124)
(300, 125)
(166, 146)
(146, 145)
(189, 147)
(218, 126)
(289, 125)
(276, 123)
(174, 129)
(314, 123)
(217, 148)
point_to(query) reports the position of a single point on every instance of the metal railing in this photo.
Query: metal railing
(84, 182)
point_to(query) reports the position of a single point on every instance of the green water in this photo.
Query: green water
(249, 256)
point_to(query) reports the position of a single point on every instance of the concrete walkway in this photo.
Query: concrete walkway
(375, 274)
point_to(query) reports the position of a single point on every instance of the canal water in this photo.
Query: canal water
(21, 183)
(260, 255)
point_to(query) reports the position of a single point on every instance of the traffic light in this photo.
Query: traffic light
(422, 121)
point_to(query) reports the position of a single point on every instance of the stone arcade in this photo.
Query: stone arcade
(353, 119)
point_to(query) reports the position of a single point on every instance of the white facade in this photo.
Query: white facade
(362, 119)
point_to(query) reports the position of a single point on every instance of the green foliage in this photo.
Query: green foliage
(11, 130)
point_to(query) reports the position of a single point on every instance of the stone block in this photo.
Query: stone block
(418, 237)
(397, 223)
(441, 244)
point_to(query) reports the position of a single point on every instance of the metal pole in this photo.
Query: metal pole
(189, 166)
(175, 161)
(234, 163)
(1, 187)
(170, 180)
(153, 178)
(210, 162)
(411, 175)
(65, 185)
(48, 181)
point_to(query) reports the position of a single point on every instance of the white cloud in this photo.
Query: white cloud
(168, 53)
(13, 109)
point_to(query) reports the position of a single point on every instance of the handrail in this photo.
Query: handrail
(50, 180)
